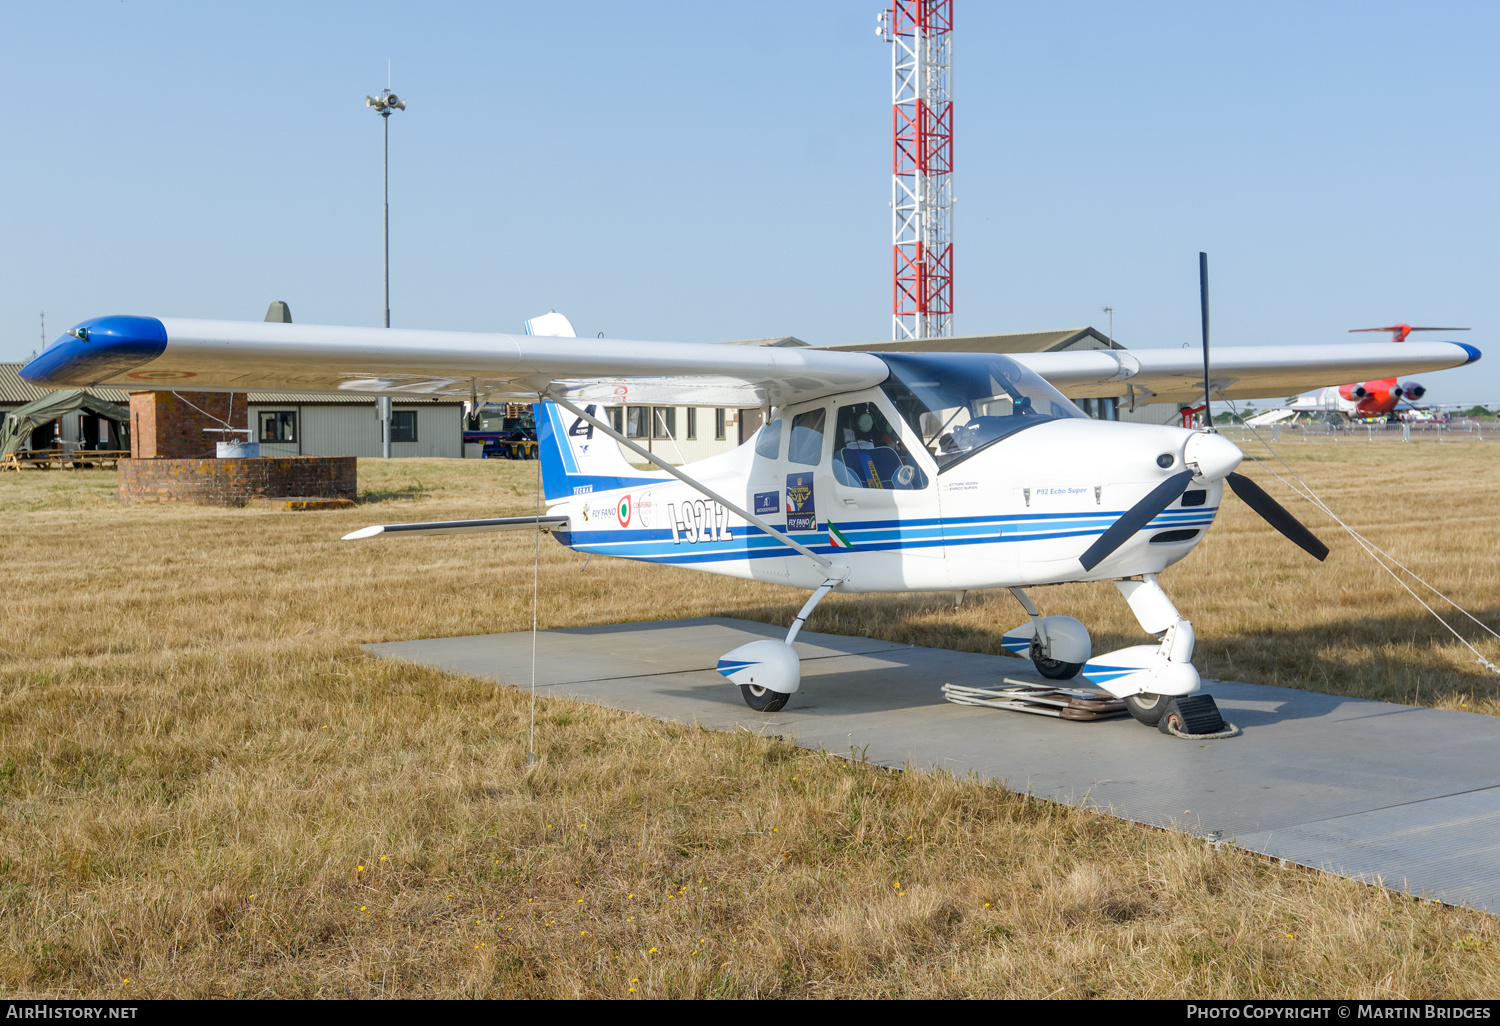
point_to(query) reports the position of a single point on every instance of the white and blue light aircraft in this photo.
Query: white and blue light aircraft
(872, 473)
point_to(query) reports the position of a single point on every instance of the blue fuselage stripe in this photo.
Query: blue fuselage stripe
(742, 543)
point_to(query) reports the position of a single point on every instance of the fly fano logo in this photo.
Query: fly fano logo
(698, 521)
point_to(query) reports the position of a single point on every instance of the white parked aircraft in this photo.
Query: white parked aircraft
(891, 472)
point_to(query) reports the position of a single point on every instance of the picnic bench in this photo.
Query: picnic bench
(102, 459)
(63, 459)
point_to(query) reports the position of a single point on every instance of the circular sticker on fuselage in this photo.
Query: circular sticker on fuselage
(623, 511)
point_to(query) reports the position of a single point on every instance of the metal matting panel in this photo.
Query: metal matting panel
(1304, 759)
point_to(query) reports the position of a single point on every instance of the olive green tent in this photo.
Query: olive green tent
(23, 420)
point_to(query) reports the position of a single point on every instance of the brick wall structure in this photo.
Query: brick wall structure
(215, 482)
(166, 425)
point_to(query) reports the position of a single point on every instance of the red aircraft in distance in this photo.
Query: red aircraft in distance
(1378, 398)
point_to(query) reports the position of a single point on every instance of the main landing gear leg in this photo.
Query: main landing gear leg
(769, 672)
(1057, 646)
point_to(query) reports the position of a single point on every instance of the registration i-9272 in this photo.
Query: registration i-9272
(698, 521)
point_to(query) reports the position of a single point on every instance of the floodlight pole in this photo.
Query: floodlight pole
(385, 120)
(385, 104)
(385, 401)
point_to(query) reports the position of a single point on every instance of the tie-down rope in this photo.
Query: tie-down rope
(1375, 552)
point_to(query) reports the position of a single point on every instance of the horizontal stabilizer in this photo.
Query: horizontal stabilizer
(461, 526)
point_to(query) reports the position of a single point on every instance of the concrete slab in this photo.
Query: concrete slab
(1379, 792)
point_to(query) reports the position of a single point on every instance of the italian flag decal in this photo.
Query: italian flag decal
(836, 538)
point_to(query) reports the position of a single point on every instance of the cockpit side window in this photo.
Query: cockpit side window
(869, 453)
(768, 442)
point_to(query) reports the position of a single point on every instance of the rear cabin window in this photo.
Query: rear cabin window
(768, 443)
(868, 453)
(807, 438)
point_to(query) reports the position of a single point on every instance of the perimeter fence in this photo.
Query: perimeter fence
(1415, 431)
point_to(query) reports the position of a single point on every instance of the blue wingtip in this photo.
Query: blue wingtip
(97, 350)
(1474, 354)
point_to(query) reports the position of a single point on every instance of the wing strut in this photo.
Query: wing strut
(836, 571)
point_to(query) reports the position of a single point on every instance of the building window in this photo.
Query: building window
(617, 419)
(720, 427)
(637, 421)
(1100, 409)
(278, 426)
(404, 426)
(664, 422)
(692, 422)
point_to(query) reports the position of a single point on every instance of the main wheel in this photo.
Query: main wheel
(763, 699)
(1056, 669)
(1146, 707)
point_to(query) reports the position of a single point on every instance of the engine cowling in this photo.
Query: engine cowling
(1355, 392)
(1413, 390)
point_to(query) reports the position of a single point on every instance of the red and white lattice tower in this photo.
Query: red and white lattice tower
(921, 36)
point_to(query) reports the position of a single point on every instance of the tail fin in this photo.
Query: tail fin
(551, 323)
(578, 458)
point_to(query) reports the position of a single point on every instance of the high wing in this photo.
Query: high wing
(1251, 372)
(198, 355)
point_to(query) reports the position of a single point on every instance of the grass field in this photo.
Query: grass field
(207, 789)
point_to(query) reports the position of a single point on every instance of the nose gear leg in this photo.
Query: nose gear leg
(1144, 674)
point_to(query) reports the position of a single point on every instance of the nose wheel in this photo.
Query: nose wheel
(1146, 708)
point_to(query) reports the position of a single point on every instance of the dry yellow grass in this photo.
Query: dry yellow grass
(206, 788)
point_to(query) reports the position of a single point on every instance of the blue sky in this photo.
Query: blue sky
(692, 171)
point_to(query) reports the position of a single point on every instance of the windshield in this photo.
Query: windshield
(961, 402)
